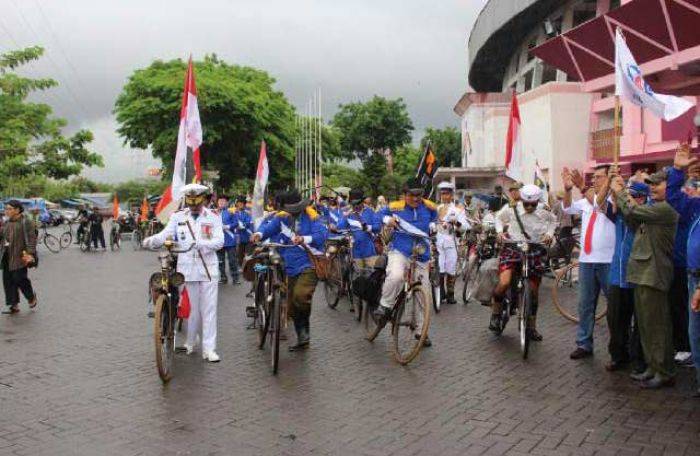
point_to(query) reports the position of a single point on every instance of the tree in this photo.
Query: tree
(447, 145)
(31, 143)
(367, 128)
(337, 175)
(238, 107)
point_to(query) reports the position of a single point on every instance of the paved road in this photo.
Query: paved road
(77, 377)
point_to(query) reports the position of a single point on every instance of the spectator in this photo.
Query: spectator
(229, 248)
(17, 253)
(650, 269)
(597, 248)
(497, 200)
(623, 346)
(689, 209)
(97, 233)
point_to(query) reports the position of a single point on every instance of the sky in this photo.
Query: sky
(352, 50)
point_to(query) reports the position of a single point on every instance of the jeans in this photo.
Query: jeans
(694, 327)
(232, 262)
(593, 278)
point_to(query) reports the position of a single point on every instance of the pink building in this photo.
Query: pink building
(558, 56)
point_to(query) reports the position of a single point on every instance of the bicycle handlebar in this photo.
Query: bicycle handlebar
(171, 250)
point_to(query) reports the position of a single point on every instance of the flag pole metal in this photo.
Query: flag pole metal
(616, 133)
(320, 139)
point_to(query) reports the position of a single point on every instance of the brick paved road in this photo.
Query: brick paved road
(78, 377)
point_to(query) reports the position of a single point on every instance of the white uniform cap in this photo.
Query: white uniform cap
(446, 186)
(530, 193)
(194, 190)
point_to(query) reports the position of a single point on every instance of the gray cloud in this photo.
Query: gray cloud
(413, 49)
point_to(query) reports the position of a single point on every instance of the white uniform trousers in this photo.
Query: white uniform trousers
(447, 255)
(393, 283)
(203, 305)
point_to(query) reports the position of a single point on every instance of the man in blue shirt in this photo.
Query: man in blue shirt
(689, 210)
(243, 228)
(229, 248)
(364, 224)
(297, 224)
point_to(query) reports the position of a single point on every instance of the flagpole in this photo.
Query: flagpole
(616, 132)
(320, 142)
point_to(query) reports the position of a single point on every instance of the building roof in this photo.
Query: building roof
(500, 28)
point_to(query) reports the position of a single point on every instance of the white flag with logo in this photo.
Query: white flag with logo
(630, 84)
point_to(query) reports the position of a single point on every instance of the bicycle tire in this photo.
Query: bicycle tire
(401, 356)
(332, 285)
(564, 277)
(355, 301)
(372, 325)
(52, 243)
(469, 286)
(136, 240)
(276, 312)
(65, 239)
(262, 322)
(525, 308)
(85, 243)
(435, 290)
(164, 338)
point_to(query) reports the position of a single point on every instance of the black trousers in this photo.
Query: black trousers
(98, 234)
(625, 344)
(678, 304)
(13, 282)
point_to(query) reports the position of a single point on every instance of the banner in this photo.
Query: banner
(514, 154)
(427, 168)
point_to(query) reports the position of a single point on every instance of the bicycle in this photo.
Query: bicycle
(85, 237)
(66, 238)
(436, 284)
(164, 290)
(341, 273)
(270, 287)
(519, 296)
(49, 240)
(115, 237)
(565, 280)
(483, 249)
(410, 300)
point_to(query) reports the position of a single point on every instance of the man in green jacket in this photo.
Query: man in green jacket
(650, 268)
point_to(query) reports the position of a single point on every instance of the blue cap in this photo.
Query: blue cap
(639, 189)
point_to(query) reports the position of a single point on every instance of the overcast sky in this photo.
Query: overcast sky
(352, 49)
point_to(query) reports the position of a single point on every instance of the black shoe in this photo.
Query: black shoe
(151, 314)
(10, 310)
(223, 280)
(580, 353)
(451, 299)
(303, 341)
(426, 343)
(534, 335)
(642, 376)
(613, 366)
(495, 323)
(382, 313)
(658, 382)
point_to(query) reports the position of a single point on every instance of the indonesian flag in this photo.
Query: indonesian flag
(260, 185)
(514, 155)
(187, 168)
(115, 207)
(184, 307)
(630, 84)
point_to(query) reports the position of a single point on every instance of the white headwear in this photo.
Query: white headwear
(445, 185)
(530, 193)
(194, 190)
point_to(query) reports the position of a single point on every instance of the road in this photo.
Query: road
(77, 377)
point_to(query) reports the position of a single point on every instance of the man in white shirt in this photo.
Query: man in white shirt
(597, 248)
(451, 220)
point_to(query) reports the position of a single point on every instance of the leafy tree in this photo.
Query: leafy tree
(406, 159)
(447, 145)
(238, 107)
(367, 128)
(136, 189)
(31, 142)
(337, 175)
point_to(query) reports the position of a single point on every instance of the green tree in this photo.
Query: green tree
(337, 175)
(447, 145)
(238, 107)
(31, 140)
(136, 189)
(406, 159)
(366, 128)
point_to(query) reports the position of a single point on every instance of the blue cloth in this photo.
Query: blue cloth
(694, 327)
(639, 188)
(623, 246)
(689, 214)
(243, 223)
(593, 278)
(334, 215)
(420, 218)
(228, 224)
(282, 227)
(363, 241)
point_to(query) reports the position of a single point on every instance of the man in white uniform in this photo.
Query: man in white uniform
(451, 220)
(199, 228)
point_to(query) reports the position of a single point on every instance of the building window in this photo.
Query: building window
(614, 4)
(549, 73)
(584, 11)
(531, 45)
(528, 81)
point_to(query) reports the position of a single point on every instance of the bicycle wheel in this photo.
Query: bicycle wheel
(136, 239)
(524, 311)
(332, 285)
(355, 301)
(65, 239)
(435, 290)
(410, 325)
(262, 322)
(164, 338)
(469, 286)
(372, 325)
(565, 294)
(52, 243)
(275, 328)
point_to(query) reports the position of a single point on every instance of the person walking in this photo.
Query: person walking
(650, 269)
(18, 253)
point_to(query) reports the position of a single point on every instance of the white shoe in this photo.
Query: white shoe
(211, 356)
(188, 349)
(682, 357)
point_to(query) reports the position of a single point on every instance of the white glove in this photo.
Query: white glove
(241, 225)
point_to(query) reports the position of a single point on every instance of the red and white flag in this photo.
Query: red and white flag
(187, 167)
(514, 154)
(260, 184)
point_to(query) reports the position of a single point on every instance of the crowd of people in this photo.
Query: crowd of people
(639, 246)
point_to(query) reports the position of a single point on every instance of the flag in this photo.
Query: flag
(144, 210)
(427, 168)
(184, 307)
(187, 167)
(514, 166)
(115, 207)
(539, 176)
(260, 184)
(630, 84)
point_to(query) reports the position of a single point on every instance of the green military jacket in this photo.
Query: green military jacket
(651, 258)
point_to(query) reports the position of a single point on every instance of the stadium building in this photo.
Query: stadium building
(558, 56)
